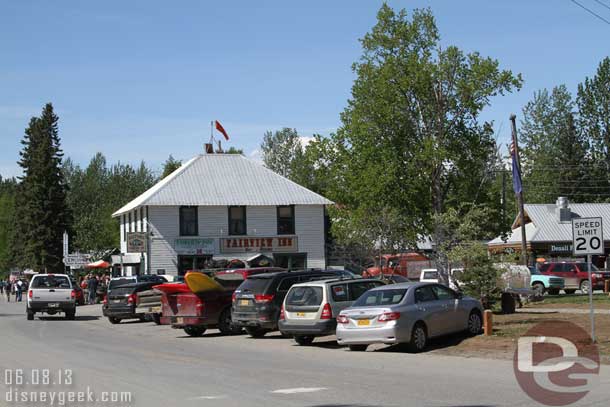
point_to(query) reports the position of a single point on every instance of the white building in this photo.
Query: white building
(223, 206)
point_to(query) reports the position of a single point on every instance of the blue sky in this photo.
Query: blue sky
(139, 80)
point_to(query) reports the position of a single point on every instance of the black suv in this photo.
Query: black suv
(121, 301)
(258, 300)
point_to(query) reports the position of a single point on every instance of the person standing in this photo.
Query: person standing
(19, 290)
(92, 288)
(1, 287)
(7, 288)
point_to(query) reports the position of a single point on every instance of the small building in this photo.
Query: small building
(221, 206)
(548, 229)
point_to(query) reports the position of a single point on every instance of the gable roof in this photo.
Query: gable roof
(224, 180)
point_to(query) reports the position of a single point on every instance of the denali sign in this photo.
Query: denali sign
(259, 244)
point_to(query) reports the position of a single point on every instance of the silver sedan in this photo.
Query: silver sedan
(407, 313)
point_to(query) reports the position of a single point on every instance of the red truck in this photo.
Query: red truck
(195, 313)
(408, 265)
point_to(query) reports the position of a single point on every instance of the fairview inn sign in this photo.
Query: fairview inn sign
(259, 244)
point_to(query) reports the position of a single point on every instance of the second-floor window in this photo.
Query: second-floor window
(237, 220)
(188, 221)
(285, 220)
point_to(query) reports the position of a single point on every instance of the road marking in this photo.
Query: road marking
(209, 397)
(299, 390)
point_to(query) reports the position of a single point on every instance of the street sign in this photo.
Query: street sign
(587, 236)
(136, 242)
(77, 259)
(65, 244)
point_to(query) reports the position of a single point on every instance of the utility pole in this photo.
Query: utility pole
(519, 193)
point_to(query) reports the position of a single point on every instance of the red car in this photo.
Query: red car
(575, 275)
(195, 313)
(408, 265)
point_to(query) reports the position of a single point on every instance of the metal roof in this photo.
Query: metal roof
(546, 227)
(224, 180)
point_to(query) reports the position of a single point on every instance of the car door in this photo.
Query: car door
(570, 275)
(453, 317)
(431, 310)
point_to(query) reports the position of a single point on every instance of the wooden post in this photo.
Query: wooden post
(607, 286)
(487, 322)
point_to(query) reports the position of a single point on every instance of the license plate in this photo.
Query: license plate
(53, 305)
(364, 322)
(244, 302)
(116, 301)
(300, 314)
(179, 320)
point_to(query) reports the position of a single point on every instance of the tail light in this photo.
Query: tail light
(327, 312)
(282, 316)
(342, 319)
(105, 300)
(72, 294)
(233, 297)
(131, 299)
(263, 298)
(389, 316)
(31, 294)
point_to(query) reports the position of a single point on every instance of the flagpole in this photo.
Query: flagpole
(212, 132)
(520, 193)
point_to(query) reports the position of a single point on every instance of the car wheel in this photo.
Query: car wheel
(303, 340)
(419, 338)
(70, 315)
(194, 331)
(114, 320)
(142, 318)
(256, 332)
(225, 326)
(30, 315)
(358, 348)
(539, 289)
(474, 323)
(585, 287)
(570, 292)
(156, 318)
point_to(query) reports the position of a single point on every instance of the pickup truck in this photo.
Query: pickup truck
(51, 293)
(148, 302)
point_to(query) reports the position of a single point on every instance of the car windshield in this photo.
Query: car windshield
(304, 296)
(51, 282)
(383, 297)
(430, 275)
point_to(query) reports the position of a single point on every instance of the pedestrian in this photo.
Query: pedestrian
(1, 287)
(19, 290)
(8, 290)
(92, 288)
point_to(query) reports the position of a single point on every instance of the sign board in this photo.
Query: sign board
(194, 246)
(259, 244)
(587, 236)
(65, 244)
(136, 242)
(77, 259)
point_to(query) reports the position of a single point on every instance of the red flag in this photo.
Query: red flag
(221, 129)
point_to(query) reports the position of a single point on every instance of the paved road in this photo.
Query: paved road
(163, 367)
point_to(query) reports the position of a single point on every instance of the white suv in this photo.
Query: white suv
(309, 309)
(51, 293)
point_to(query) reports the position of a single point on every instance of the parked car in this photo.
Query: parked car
(407, 265)
(310, 309)
(258, 300)
(575, 275)
(120, 302)
(408, 313)
(148, 302)
(431, 276)
(393, 279)
(195, 313)
(543, 283)
(51, 293)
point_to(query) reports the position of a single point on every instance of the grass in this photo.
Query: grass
(574, 299)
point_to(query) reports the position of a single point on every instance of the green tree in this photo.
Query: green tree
(411, 139)
(41, 213)
(170, 165)
(7, 207)
(233, 150)
(282, 150)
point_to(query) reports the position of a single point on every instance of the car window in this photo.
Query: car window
(424, 294)
(584, 267)
(430, 275)
(569, 268)
(359, 288)
(339, 292)
(380, 297)
(286, 283)
(543, 267)
(304, 296)
(51, 282)
(255, 285)
(443, 293)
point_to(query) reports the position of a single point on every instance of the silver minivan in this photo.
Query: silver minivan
(310, 308)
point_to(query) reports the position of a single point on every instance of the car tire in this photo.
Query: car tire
(256, 332)
(156, 318)
(584, 286)
(358, 348)
(194, 331)
(539, 289)
(225, 326)
(570, 292)
(475, 323)
(114, 320)
(142, 318)
(71, 315)
(30, 315)
(419, 338)
(304, 340)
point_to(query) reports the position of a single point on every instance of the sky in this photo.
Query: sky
(140, 80)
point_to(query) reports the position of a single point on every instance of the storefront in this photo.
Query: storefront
(224, 206)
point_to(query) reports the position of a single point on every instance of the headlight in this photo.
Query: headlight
(598, 275)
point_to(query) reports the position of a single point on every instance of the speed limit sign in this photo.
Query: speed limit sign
(587, 236)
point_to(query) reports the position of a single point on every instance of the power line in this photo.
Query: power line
(602, 4)
(591, 11)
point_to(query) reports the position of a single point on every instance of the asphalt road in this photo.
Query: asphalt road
(160, 366)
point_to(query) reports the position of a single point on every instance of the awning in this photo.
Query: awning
(100, 264)
(129, 258)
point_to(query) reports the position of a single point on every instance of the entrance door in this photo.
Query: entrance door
(291, 261)
(186, 263)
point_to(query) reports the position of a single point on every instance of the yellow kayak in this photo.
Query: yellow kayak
(199, 283)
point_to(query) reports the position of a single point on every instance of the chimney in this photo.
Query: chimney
(563, 210)
(209, 148)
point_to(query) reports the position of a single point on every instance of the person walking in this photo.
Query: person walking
(7, 288)
(92, 288)
(1, 287)
(19, 290)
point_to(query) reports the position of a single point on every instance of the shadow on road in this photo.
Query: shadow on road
(62, 318)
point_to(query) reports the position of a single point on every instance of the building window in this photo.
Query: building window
(188, 221)
(237, 220)
(129, 225)
(285, 220)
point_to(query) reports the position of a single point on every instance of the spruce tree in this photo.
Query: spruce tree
(41, 211)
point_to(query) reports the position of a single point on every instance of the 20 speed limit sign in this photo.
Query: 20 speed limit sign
(587, 236)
